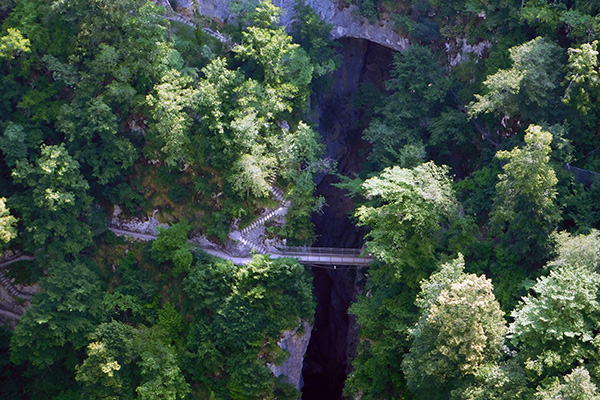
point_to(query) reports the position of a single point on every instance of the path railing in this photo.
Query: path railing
(327, 255)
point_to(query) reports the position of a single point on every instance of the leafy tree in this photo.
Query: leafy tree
(576, 386)
(577, 251)
(582, 77)
(241, 311)
(528, 89)
(8, 229)
(499, 381)
(460, 331)
(419, 89)
(313, 34)
(106, 372)
(53, 202)
(524, 212)
(414, 204)
(172, 123)
(60, 317)
(172, 244)
(555, 328)
(161, 375)
(93, 137)
(12, 44)
(17, 142)
(407, 216)
(575, 19)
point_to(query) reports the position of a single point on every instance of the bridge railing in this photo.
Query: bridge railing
(291, 250)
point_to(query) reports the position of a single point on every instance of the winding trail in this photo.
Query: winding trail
(7, 283)
(319, 257)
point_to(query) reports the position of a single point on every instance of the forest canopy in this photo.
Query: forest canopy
(478, 198)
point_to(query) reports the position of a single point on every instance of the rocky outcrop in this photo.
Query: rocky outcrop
(344, 19)
(294, 342)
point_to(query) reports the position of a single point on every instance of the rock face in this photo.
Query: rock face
(335, 337)
(345, 20)
(295, 343)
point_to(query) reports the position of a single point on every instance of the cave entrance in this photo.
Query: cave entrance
(341, 123)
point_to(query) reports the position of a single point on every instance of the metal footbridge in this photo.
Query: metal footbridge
(329, 256)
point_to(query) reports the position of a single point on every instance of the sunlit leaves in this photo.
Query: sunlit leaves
(524, 207)
(12, 44)
(8, 228)
(461, 329)
(172, 96)
(528, 88)
(414, 204)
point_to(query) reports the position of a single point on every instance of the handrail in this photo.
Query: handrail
(295, 250)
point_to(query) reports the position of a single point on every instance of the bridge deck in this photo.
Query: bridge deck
(305, 255)
(326, 255)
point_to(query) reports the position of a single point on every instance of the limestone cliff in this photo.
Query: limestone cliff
(344, 19)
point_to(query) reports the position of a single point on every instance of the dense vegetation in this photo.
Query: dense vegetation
(487, 278)
(109, 103)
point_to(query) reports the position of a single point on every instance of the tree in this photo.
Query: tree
(460, 331)
(172, 245)
(405, 227)
(93, 138)
(8, 228)
(528, 89)
(582, 76)
(12, 44)
(106, 372)
(240, 313)
(407, 216)
(577, 251)
(61, 316)
(419, 89)
(172, 96)
(53, 202)
(556, 327)
(575, 386)
(524, 213)
(161, 375)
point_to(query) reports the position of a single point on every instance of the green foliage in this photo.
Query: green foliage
(16, 143)
(556, 328)
(412, 206)
(106, 372)
(405, 228)
(172, 245)
(419, 88)
(528, 89)
(461, 328)
(8, 228)
(524, 212)
(577, 19)
(12, 44)
(60, 317)
(313, 34)
(577, 251)
(242, 310)
(581, 81)
(92, 132)
(576, 386)
(173, 95)
(161, 376)
(52, 202)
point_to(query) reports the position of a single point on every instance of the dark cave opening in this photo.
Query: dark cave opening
(335, 333)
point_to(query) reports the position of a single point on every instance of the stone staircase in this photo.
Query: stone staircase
(276, 194)
(13, 291)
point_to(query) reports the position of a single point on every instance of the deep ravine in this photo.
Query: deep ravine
(335, 334)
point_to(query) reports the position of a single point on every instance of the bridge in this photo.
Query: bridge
(317, 256)
(329, 256)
